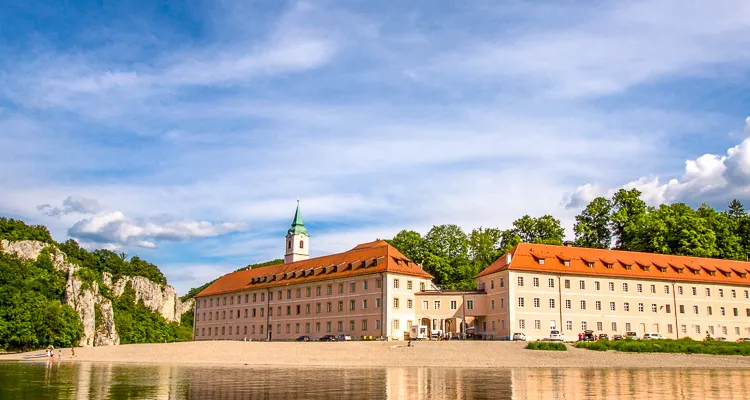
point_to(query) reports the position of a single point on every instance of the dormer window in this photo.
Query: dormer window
(712, 273)
(728, 274)
(628, 267)
(663, 269)
(566, 263)
(591, 265)
(610, 266)
(540, 261)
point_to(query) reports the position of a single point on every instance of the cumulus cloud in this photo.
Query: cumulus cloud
(710, 177)
(115, 228)
(72, 204)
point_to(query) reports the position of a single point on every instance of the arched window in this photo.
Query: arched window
(289, 244)
(301, 244)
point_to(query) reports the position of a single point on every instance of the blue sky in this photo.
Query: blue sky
(184, 131)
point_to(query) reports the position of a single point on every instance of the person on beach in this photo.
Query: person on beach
(73, 351)
(59, 354)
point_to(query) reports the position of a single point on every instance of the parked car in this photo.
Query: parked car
(519, 336)
(328, 338)
(343, 337)
(721, 339)
(652, 336)
(617, 337)
(631, 335)
(744, 340)
(603, 336)
(556, 336)
(303, 338)
(588, 336)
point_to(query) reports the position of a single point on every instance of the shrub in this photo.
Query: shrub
(686, 346)
(553, 346)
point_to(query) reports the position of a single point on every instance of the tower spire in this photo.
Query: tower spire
(297, 240)
(298, 226)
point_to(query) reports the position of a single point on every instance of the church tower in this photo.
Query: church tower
(297, 241)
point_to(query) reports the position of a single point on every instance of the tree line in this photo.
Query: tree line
(624, 222)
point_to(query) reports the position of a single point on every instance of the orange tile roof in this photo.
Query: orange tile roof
(367, 258)
(622, 264)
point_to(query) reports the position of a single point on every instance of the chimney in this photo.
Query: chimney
(568, 243)
(507, 259)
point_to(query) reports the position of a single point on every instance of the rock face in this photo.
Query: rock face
(85, 299)
(159, 299)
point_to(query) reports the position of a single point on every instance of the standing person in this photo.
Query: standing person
(579, 337)
(59, 354)
(73, 351)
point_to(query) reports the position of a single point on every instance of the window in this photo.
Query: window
(653, 289)
(395, 283)
(583, 305)
(569, 325)
(307, 327)
(611, 306)
(340, 326)
(364, 324)
(723, 311)
(683, 328)
(521, 324)
(708, 292)
(351, 325)
(454, 305)
(328, 326)
(627, 327)
(709, 310)
(377, 324)
(231, 301)
(408, 285)
(329, 307)
(669, 328)
(624, 287)
(734, 294)
(536, 282)
(584, 325)
(538, 324)
(377, 285)
(520, 281)
(329, 289)
(552, 303)
(377, 302)
(736, 330)
(599, 326)
(639, 288)
(246, 313)
(567, 304)
(365, 284)
(736, 312)
(492, 283)
(747, 294)
(409, 304)
(395, 324)
(721, 292)
(666, 289)
(653, 307)
(695, 310)
(307, 309)
(341, 288)
(747, 312)
(682, 309)
(541, 261)
(492, 304)
(724, 330)
(695, 291)
(626, 307)
(551, 283)
(341, 306)
(395, 302)
(246, 298)
(567, 284)
(668, 308)
(436, 304)
(318, 290)
(640, 307)
(364, 304)
(352, 287)
(308, 291)
(502, 282)
(421, 286)
(698, 329)
(301, 244)
(288, 310)
(352, 305)
(469, 304)
(597, 285)
(598, 305)
(582, 285)
(425, 305)
(536, 302)
(493, 325)
(317, 308)
(611, 286)
(614, 326)
(520, 301)
(255, 297)
(679, 291)
(296, 328)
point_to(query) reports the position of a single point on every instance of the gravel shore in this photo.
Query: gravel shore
(454, 354)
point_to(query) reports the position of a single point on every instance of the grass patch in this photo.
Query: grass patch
(553, 346)
(685, 346)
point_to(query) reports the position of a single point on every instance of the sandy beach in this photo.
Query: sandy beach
(465, 354)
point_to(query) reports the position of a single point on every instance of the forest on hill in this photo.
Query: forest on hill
(624, 222)
(32, 311)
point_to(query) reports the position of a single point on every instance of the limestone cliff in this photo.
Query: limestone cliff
(85, 298)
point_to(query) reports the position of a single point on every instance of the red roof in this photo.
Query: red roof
(367, 258)
(525, 257)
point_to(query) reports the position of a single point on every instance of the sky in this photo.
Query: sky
(184, 131)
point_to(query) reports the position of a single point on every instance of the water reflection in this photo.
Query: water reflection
(67, 380)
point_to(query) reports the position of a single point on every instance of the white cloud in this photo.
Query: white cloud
(72, 204)
(708, 178)
(116, 229)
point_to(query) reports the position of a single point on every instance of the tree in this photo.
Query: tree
(545, 229)
(628, 218)
(725, 227)
(410, 244)
(447, 241)
(736, 209)
(677, 229)
(483, 247)
(592, 227)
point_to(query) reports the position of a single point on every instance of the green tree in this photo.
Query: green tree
(628, 219)
(545, 229)
(678, 229)
(592, 227)
(410, 244)
(736, 209)
(484, 244)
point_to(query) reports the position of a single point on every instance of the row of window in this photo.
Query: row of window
(298, 310)
(396, 284)
(625, 287)
(232, 330)
(436, 305)
(628, 327)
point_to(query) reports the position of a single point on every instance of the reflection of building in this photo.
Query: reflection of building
(374, 290)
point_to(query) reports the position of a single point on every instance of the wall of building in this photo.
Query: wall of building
(495, 323)
(401, 303)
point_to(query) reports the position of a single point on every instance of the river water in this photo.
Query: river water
(79, 380)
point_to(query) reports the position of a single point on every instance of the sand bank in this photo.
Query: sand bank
(464, 354)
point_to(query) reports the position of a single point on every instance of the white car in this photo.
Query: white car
(519, 336)
(647, 336)
(555, 335)
(344, 337)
